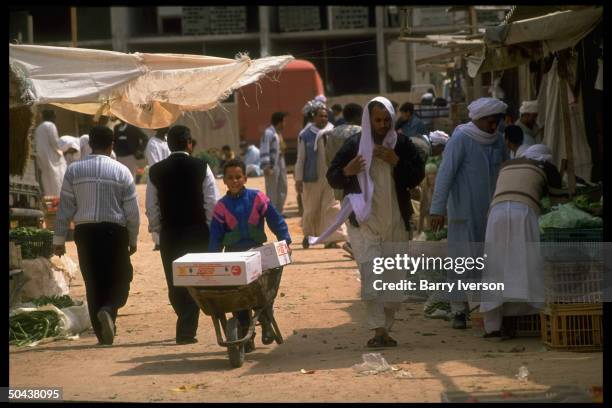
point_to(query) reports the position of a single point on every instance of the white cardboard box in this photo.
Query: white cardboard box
(217, 269)
(273, 255)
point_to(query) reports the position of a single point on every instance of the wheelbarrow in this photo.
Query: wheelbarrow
(258, 297)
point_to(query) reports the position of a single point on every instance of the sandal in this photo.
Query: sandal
(381, 341)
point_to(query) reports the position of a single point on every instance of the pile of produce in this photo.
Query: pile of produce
(31, 326)
(26, 328)
(34, 242)
(58, 301)
(585, 204)
(569, 216)
(436, 236)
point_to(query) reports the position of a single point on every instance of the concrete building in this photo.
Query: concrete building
(360, 40)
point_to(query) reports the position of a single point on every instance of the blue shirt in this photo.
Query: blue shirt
(465, 185)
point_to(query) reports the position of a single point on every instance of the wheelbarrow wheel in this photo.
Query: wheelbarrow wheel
(235, 351)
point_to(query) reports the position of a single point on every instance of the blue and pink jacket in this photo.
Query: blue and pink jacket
(238, 222)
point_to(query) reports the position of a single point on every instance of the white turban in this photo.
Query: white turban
(529, 107)
(438, 137)
(321, 98)
(538, 152)
(482, 107)
(520, 152)
(66, 143)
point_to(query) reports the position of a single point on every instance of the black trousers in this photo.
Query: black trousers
(173, 244)
(104, 260)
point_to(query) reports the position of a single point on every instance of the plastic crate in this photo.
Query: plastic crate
(33, 247)
(526, 326)
(573, 282)
(573, 327)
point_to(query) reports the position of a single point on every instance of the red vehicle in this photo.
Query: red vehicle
(287, 91)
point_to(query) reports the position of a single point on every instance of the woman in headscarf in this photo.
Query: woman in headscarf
(512, 239)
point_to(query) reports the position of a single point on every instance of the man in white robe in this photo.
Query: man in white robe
(320, 206)
(49, 156)
(512, 240)
(376, 168)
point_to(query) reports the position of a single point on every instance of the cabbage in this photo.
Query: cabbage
(569, 216)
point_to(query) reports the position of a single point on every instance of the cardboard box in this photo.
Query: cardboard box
(217, 269)
(273, 255)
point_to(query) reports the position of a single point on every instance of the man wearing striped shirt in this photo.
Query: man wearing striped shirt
(99, 195)
(272, 155)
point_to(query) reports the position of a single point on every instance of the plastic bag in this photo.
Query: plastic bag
(42, 278)
(72, 320)
(67, 266)
(373, 363)
(569, 216)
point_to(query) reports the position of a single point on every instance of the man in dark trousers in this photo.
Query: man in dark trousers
(99, 195)
(181, 196)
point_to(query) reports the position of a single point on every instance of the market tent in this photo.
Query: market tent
(147, 90)
(513, 44)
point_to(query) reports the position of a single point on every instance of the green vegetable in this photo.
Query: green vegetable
(26, 328)
(58, 301)
(545, 204)
(582, 202)
(34, 242)
(568, 216)
(437, 306)
(436, 236)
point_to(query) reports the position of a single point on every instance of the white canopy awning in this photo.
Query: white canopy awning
(147, 90)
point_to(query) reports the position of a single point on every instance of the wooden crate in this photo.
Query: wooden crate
(575, 327)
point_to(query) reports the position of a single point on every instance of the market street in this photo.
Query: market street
(322, 319)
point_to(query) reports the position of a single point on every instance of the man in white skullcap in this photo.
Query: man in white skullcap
(527, 122)
(465, 185)
(512, 237)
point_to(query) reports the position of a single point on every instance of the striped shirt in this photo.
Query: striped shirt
(97, 189)
(269, 149)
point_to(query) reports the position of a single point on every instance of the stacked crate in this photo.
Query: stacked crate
(573, 279)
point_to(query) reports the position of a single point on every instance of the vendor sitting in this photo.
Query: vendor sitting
(238, 225)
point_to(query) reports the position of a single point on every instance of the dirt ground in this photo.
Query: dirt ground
(323, 323)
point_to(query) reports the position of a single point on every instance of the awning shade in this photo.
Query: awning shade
(146, 90)
(514, 44)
